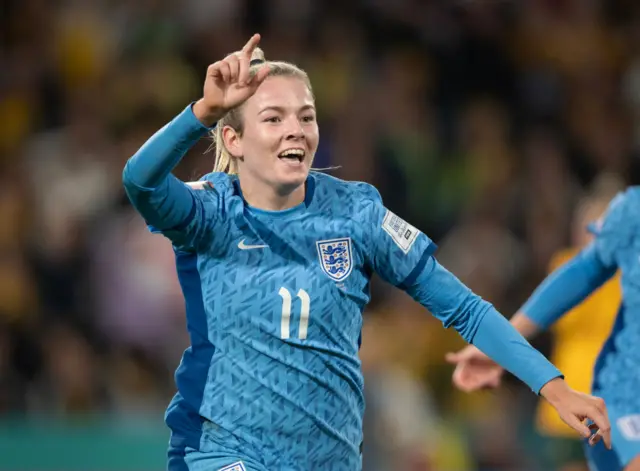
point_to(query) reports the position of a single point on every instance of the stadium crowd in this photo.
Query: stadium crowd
(485, 123)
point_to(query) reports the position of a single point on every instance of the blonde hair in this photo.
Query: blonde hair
(224, 162)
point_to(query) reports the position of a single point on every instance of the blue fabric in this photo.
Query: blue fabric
(286, 394)
(625, 438)
(183, 414)
(618, 244)
(281, 298)
(616, 247)
(478, 322)
(599, 458)
(497, 338)
(175, 458)
(567, 287)
(155, 160)
(219, 460)
(148, 182)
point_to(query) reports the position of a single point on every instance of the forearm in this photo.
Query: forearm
(562, 291)
(504, 344)
(479, 323)
(162, 199)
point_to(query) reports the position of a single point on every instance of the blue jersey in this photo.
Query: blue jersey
(282, 295)
(274, 307)
(617, 244)
(616, 379)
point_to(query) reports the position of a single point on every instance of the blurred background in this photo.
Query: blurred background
(498, 127)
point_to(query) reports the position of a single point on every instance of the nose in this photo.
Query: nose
(294, 129)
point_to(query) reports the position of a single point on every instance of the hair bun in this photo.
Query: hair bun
(257, 57)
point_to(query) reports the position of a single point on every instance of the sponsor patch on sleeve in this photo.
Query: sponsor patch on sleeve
(402, 233)
(201, 185)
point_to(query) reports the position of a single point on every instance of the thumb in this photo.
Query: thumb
(578, 426)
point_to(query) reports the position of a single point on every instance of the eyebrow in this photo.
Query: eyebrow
(280, 109)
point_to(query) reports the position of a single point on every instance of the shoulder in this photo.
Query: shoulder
(217, 180)
(619, 226)
(220, 183)
(349, 193)
(631, 198)
(622, 211)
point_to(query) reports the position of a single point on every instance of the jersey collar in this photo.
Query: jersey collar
(310, 188)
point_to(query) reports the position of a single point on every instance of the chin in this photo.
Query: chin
(292, 180)
(299, 174)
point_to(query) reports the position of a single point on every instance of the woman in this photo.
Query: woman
(275, 262)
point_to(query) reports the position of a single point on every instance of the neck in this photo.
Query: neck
(262, 196)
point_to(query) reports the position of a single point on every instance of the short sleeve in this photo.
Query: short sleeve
(615, 230)
(398, 250)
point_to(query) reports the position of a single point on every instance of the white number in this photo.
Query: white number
(304, 314)
(286, 313)
(285, 321)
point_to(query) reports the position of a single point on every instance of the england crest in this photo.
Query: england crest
(335, 257)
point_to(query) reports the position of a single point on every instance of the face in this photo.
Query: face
(280, 135)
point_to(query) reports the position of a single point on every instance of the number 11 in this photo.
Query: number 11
(286, 313)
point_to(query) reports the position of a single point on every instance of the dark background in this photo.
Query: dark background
(483, 122)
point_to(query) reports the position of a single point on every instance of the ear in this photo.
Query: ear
(232, 141)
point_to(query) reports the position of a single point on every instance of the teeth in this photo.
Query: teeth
(292, 152)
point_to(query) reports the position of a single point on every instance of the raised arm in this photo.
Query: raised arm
(166, 203)
(163, 200)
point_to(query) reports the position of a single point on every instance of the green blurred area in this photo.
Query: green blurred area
(89, 445)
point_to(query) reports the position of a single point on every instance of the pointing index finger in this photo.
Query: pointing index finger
(251, 45)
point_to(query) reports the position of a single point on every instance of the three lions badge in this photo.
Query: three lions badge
(336, 257)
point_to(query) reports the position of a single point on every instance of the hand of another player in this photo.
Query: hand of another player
(575, 407)
(228, 84)
(474, 370)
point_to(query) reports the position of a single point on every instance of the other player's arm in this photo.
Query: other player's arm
(479, 323)
(560, 292)
(403, 256)
(565, 288)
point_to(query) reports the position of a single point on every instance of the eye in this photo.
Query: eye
(309, 118)
(272, 119)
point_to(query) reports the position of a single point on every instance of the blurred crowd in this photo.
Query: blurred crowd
(486, 123)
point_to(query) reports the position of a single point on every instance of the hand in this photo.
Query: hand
(574, 407)
(228, 84)
(474, 370)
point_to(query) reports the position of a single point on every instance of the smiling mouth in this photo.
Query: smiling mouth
(296, 155)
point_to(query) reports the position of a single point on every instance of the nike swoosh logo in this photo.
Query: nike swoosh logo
(243, 246)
